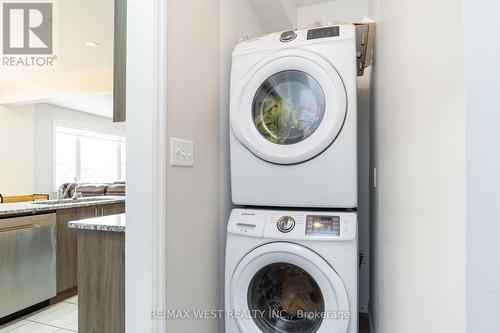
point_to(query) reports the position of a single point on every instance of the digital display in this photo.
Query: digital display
(323, 32)
(317, 225)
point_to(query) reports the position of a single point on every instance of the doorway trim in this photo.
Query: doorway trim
(145, 269)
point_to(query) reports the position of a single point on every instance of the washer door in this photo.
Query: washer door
(290, 107)
(285, 287)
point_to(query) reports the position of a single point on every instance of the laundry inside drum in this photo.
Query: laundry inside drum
(288, 107)
(285, 298)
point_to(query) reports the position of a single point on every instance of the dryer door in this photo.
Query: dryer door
(290, 107)
(285, 287)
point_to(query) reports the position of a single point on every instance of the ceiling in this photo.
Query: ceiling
(99, 104)
(76, 22)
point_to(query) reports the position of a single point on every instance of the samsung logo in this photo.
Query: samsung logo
(248, 214)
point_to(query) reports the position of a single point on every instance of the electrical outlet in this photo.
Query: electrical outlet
(181, 152)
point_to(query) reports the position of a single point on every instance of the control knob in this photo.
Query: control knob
(288, 36)
(286, 224)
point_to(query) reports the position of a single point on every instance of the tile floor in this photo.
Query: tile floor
(58, 318)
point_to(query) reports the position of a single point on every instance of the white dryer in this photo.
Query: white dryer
(293, 119)
(291, 272)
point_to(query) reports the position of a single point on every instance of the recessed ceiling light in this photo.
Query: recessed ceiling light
(90, 43)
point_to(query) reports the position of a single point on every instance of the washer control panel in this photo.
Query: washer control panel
(323, 225)
(294, 225)
(311, 225)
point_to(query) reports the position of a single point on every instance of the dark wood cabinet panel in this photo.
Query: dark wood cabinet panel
(85, 213)
(101, 290)
(112, 209)
(120, 61)
(66, 250)
(67, 240)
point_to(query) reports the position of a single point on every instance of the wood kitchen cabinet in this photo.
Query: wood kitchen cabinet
(111, 209)
(120, 61)
(101, 297)
(67, 240)
(67, 246)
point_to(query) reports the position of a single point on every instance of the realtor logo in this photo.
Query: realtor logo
(28, 33)
(27, 28)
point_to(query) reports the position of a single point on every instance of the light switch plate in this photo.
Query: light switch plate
(181, 152)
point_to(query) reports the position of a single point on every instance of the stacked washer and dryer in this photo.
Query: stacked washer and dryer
(292, 253)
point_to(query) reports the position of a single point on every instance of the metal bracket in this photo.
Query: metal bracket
(365, 39)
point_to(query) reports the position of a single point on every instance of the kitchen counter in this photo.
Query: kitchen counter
(112, 223)
(36, 207)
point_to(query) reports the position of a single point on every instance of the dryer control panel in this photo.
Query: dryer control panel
(294, 225)
(323, 32)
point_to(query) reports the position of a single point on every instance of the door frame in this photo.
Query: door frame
(145, 253)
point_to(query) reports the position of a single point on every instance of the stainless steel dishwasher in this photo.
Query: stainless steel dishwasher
(27, 261)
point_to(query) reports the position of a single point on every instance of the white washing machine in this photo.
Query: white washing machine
(291, 272)
(293, 119)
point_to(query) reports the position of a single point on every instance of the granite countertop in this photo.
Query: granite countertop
(113, 223)
(35, 207)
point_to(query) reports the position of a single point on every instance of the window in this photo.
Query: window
(91, 157)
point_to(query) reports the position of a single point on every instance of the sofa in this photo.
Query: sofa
(95, 189)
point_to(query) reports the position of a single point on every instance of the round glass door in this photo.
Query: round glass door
(287, 288)
(283, 297)
(288, 107)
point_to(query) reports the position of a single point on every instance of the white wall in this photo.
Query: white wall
(193, 266)
(419, 225)
(333, 11)
(237, 18)
(273, 15)
(16, 150)
(44, 116)
(483, 165)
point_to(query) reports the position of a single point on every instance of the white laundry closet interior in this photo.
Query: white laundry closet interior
(247, 18)
(411, 151)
